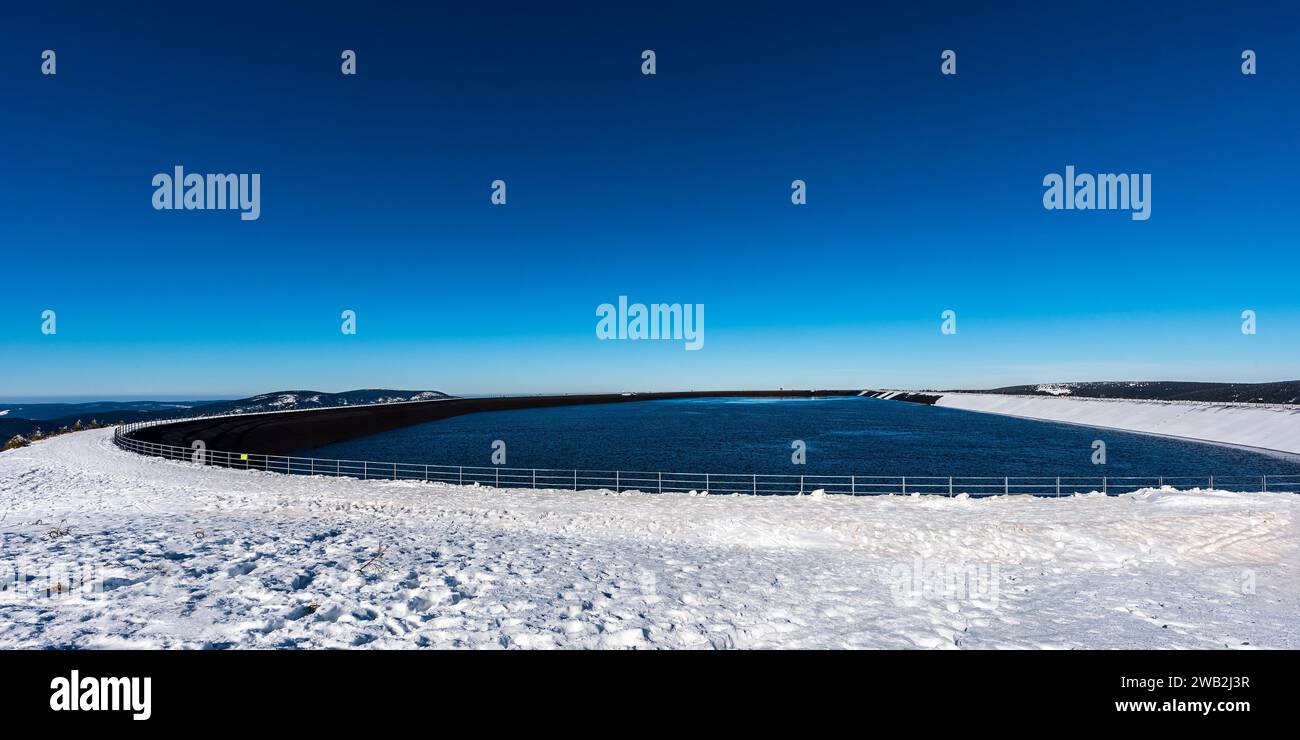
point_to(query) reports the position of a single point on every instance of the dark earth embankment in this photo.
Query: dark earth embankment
(284, 432)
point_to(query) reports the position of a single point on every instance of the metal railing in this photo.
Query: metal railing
(714, 483)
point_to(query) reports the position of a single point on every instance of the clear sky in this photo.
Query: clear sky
(924, 195)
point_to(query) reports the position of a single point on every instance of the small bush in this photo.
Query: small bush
(78, 426)
(16, 441)
(38, 435)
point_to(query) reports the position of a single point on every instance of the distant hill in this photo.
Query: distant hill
(290, 400)
(1286, 391)
(41, 411)
(25, 418)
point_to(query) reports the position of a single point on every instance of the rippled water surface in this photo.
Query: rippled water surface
(852, 435)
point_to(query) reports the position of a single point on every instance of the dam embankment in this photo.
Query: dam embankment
(279, 433)
(1273, 427)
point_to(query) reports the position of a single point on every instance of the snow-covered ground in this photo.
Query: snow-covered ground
(169, 554)
(1265, 426)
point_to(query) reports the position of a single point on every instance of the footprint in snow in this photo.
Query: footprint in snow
(241, 569)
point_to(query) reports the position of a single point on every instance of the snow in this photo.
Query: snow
(178, 555)
(1263, 426)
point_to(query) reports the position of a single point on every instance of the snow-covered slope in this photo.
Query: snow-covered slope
(1269, 427)
(179, 555)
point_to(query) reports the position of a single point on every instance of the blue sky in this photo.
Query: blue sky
(924, 194)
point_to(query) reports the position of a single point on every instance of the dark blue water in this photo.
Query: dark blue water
(862, 436)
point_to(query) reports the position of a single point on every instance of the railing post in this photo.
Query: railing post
(1211, 482)
(1006, 486)
(461, 475)
(1264, 483)
(801, 485)
(1105, 486)
(365, 469)
(755, 484)
(498, 483)
(313, 466)
(1058, 485)
(905, 485)
(426, 472)
(575, 479)
(950, 486)
(534, 477)
(853, 484)
(394, 471)
(661, 481)
(706, 482)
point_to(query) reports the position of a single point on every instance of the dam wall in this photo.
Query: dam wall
(283, 432)
(1274, 427)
